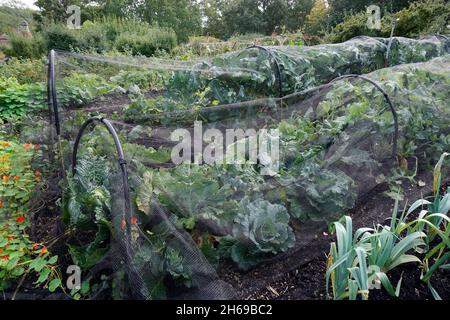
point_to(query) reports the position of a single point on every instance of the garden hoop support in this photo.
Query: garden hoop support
(51, 91)
(388, 100)
(121, 160)
(50, 71)
(277, 67)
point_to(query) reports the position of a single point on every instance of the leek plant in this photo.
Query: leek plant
(357, 262)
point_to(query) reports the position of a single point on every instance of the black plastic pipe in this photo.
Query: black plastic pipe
(388, 100)
(277, 67)
(121, 160)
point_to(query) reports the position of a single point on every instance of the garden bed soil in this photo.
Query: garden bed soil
(111, 103)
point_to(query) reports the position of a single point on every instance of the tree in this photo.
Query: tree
(183, 16)
(225, 18)
(212, 12)
(339, 9)
(297, 12)
(275, 13)
(317, 18)
(243, 16)
(55, 10)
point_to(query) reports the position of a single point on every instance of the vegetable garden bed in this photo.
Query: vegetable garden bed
(146, 215)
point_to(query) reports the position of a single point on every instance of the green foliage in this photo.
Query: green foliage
(26, 71)
(24, 47)
(18, 178)
(11, 17)
(251, 17)
(316, 17)
(423, 17)
(325, 192)
(144, 79)
(16, 99)
(341, 9)
(88, 196)
(433, 220)
(420, 17)
(147, 44)
(86, 205)
(360, 262)
(189, 190)
(108, 34)
(384, 248)
(77, 88)
(19, 256)
(59, 37)
(352, 26)
(183, 16)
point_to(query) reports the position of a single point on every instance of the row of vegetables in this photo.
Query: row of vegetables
(327, 160)
(334, 147)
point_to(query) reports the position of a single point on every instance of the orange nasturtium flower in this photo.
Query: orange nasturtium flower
(35, 247)
(4, 258)
(44, 250)
(4, 159)
(1, 250)
(28, 145)
(20, 219)
(5, 179)
(10, 237)
(123, 223)
(17, 178)
(4, 144)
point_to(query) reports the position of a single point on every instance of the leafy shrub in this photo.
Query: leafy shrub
(18, 179)
(24, 70)
(92, 39)
(144, 79)
(60, 37)
(114, 26)
(109, 33)
(421, 17)
(16, 98)
(81, 88)
(426, 16)
(353, 26)
(147, 44)
(25, 48)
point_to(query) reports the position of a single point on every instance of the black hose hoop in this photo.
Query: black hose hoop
(121, 160)
(277, 67)
(388, 100)
(51, 92)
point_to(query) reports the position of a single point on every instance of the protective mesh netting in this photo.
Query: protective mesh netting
(218, 168)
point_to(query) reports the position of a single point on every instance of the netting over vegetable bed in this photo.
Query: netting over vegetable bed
(184, 167)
